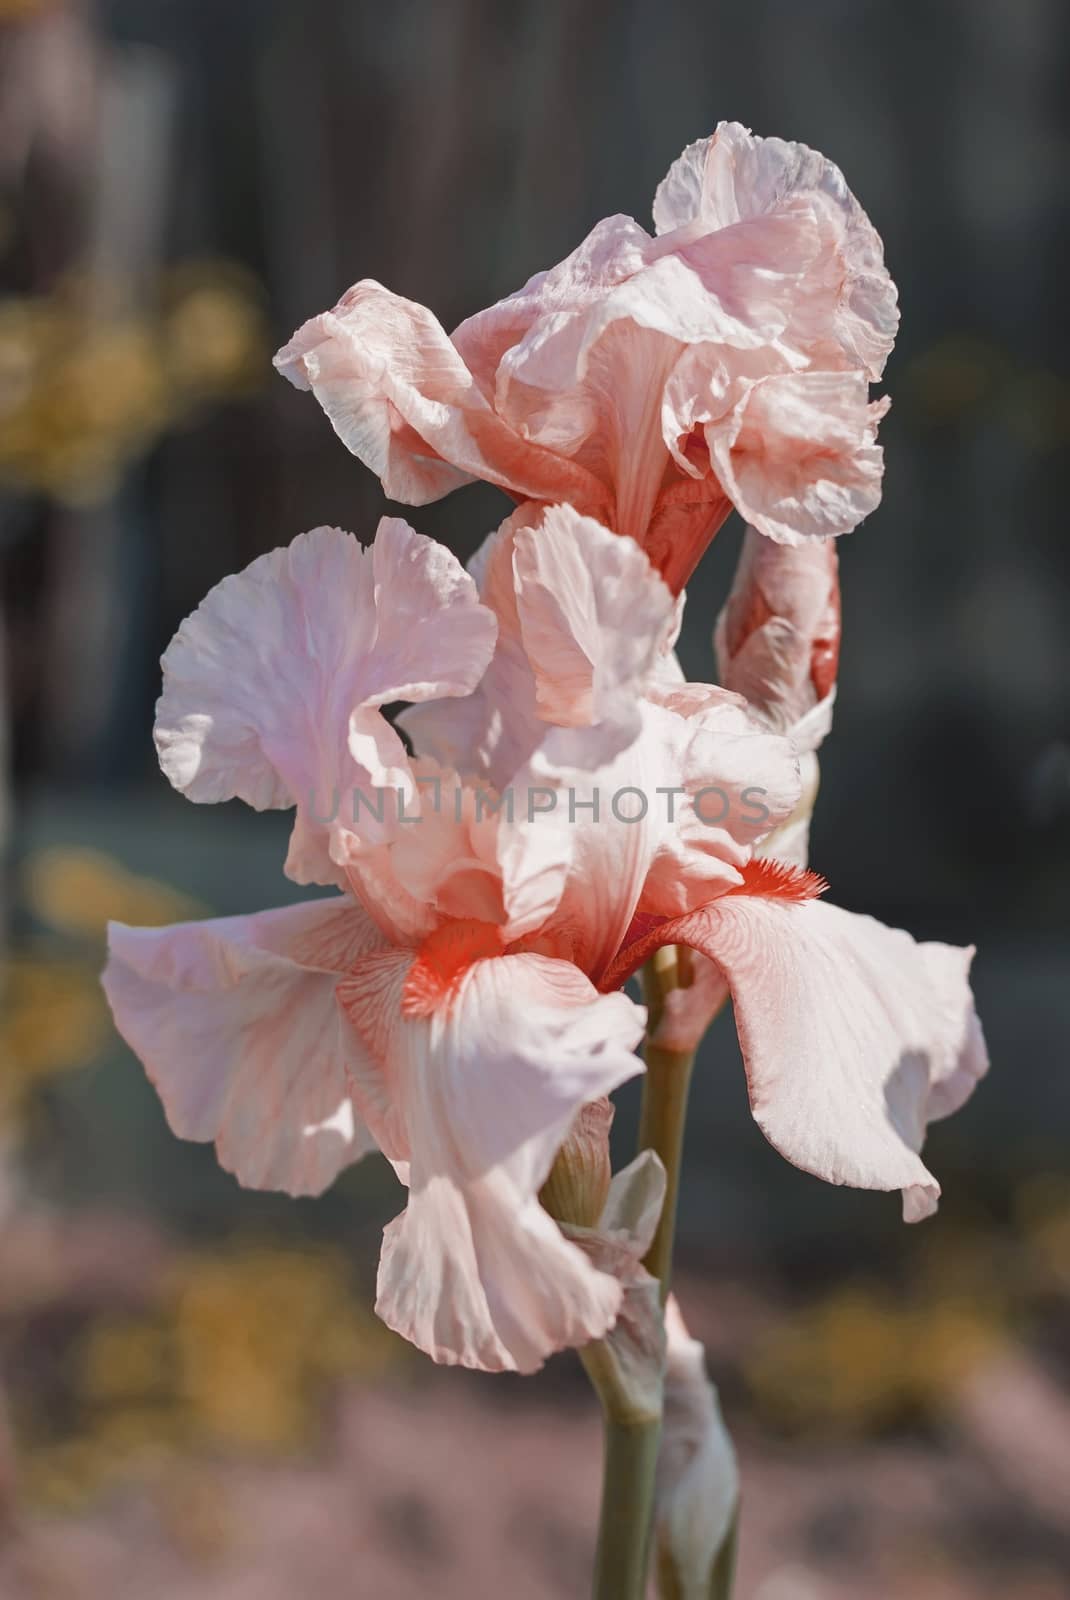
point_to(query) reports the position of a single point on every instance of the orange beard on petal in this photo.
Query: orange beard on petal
(766, 878)
(442, 959)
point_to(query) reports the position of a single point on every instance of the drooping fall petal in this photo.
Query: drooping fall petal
(854, 1037)
(474, 1271)
(236, 1023)
(272, 687)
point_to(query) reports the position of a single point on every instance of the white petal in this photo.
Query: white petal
(236, 1023)
(270, 687)
(478, 1096)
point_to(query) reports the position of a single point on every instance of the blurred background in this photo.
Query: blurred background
(196, 1400)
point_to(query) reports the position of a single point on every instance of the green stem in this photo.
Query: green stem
(631, 1440)
(631, 1456)
(663, 1116)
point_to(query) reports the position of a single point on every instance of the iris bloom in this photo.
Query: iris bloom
(651, 382)
(456, 1001)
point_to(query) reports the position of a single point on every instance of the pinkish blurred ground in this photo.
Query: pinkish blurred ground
(439, 1490)
(435, 1483)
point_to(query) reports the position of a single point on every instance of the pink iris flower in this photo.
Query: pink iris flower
(653, 382)
(458, 999)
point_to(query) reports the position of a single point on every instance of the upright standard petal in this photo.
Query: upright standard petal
(854, 1037)
(594, 617)
(236, 1024)
(735, 177)
(584, 623)
(476, 1076)
(593, 383)
(272, 687)
(492, 732)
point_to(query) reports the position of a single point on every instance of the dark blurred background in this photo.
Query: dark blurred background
(199, 1401)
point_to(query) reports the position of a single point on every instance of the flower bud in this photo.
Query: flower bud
(698, 1481)
(778, 635)
(778, 644)
(578, 1185)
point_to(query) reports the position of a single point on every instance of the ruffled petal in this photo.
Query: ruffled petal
(589, 380)
(399, 395)
(236, 1023)
(615, 248)
(589, 384)
(477, 1097)
(854, 1037)
(777, 640)
(271, 687)
(584, 622)
(735, 177)
(798, 455)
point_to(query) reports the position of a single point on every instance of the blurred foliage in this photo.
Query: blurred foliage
(236, 1351)
(83, 394)
(874, 1354)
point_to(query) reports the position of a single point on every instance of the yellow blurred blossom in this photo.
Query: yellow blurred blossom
(865, 1358)
(239, 1352)
(258, 1334)
(77, 890)
(127, 1363)
(213, 329)
(11, 9)
(83, 395)
(52, 1019)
